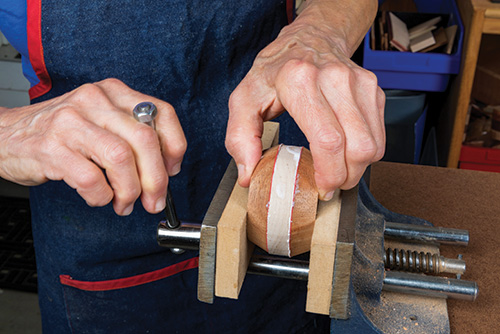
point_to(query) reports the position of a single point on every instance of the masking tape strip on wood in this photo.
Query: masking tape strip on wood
(281, 199)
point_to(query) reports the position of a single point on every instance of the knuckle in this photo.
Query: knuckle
(229, 144)
(330, 140)
(381, 94)
(178, 149)
(381, 98)
(366, 147)
(111, 82)
(300, 72)
(363, 149)
(126, 190)
(235, 98)
(87, 92)
(233, 140)
(167, 108)
(129, 195)
(338, 72)
(152, 185)
(366, 76)
(380, 154)
(66, 116)
(159, 183)
(88, 180)
(145, 134)
(50, 148)
(147, 137)
(119, 153)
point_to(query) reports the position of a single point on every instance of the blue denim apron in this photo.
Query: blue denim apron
(100, 273)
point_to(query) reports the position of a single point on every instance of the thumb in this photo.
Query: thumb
(244, 132)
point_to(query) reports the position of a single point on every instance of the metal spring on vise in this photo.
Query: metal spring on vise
(405, 260)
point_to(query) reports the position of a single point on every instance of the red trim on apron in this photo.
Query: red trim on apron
(290, 10)
(35, 48)
(132, 281)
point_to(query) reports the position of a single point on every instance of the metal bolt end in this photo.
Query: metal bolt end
(145, 112)
(177, 251)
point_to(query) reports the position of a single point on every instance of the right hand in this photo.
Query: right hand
(76, 136)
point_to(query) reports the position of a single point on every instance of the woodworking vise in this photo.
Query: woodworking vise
(381, 272)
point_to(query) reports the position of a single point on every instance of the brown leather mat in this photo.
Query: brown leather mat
(458, 199)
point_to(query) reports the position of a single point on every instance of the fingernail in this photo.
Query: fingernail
(160, 204)
(176, 169)
(328, 196)
(128, 210)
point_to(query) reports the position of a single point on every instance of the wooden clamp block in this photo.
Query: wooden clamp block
(322, 256)
(233, 248)
(331, 255)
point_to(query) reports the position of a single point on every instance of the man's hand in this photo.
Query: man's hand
(337, 104)
(77, 135)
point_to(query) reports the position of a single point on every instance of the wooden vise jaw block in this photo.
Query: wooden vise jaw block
(332, 248)
(322, 256)
(329, 267)
(233, 248)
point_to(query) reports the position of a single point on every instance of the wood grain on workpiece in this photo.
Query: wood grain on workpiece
(305, 199)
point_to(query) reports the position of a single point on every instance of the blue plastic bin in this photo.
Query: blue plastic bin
(428, 72)
(405, 115)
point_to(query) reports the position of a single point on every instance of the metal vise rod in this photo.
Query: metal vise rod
(429, 286)
(449, 236)
(187, 236)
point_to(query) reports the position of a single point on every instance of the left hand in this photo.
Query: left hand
(337, 104)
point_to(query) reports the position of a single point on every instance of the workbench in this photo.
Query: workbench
(458, 199)
(479, 17)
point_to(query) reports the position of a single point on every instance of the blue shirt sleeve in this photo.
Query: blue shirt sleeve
(13, 19)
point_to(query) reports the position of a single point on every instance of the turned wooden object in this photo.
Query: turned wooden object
(282, 201)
